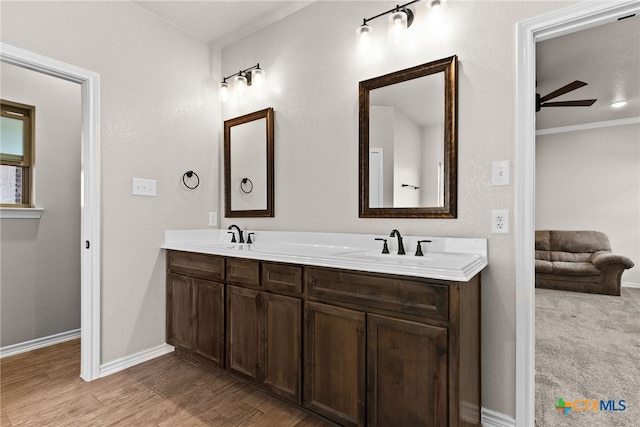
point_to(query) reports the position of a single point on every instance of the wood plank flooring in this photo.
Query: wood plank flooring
(43, 388)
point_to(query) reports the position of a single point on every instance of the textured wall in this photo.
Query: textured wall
(313, 73)
(590, 180)
(40, 276)
(159, 118)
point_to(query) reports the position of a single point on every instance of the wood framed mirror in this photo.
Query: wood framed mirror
(408, 142)
(248, 165)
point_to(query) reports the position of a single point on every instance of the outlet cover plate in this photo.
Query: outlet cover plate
(143, 187)
(500, 221)
(213, 219)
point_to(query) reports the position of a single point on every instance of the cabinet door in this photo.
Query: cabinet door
(281, 360)
(209, 320)
(406, 373)
(335, 363)
(242, 332)
(180, 312)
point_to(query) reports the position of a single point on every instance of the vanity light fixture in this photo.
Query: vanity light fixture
(400, 19)
(618, 104)
(252, 76)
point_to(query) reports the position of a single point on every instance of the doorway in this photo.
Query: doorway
(564, 21)
(90, 194)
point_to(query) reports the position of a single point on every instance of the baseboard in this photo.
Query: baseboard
(496, 419)
(630, 285)
(23, 347)
(134, 359)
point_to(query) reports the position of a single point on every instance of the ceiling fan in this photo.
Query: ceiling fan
(542, 101)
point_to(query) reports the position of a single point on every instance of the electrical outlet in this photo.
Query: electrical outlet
(213, 219)
(500, 221)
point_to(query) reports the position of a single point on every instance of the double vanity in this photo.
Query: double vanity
(330, 323)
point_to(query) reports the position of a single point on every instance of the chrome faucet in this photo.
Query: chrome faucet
(240, 235)
(396, 233)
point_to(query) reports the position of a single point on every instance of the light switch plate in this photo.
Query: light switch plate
(143, 187)
(213, 219)
(500, 172)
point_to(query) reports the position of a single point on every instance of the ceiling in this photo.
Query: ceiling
(221, 22)
(606, 57)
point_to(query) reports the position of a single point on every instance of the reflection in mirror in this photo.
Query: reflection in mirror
(248, 160)
(408, 143)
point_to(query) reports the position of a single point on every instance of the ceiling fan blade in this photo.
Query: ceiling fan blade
(564, 89)
(580, 103)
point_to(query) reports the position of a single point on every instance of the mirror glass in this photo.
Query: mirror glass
(408, 142)
(248, 158)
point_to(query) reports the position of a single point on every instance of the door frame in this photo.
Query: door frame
(563, 21)
(89, 199)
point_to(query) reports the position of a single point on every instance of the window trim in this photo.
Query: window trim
(26, 113)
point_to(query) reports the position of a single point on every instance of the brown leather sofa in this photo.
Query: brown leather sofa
(579, 261)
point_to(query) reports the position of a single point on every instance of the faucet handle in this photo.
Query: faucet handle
(385, 248)
(249, 241)
(233, 236)
(419, 248)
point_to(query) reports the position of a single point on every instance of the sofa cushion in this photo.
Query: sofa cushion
(543, 240)
(574, 268)
(571, 256)
(578, 241)
(543, 266)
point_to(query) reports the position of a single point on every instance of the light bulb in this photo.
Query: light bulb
(397, 26)
(619, 104)
(363, 39)
(223, 91)
(239, 84)
(257, 77)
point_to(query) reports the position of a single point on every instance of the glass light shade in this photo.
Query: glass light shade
(397, 26)
(239, 84)
(223, 91)
(257, 77)
(363, 39)
(618, 104)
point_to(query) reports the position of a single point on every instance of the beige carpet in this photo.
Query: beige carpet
(587, 347)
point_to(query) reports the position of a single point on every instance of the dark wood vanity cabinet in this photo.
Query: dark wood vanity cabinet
(264, 328)
(422, 349)
(334, 382)
(195, 307)
(378, 349)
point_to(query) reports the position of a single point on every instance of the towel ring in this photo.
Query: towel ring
(243, 183)
(189, 174)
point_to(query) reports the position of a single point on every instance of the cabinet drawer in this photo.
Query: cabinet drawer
(401, 295)
(191, 264)
(243, 272)
(280, 277)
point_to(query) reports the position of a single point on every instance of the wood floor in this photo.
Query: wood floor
(43, 388)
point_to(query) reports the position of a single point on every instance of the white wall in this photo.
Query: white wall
(590, 180)
(40, 275)
(381, 136)
(313, 74)
(159, 118)
(406, 161)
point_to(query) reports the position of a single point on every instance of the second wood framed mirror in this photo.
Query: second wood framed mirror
(248, 165)
(408, 143)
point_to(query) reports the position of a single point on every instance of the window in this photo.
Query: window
(16, 154)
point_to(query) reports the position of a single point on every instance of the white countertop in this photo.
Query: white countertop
(445, 258)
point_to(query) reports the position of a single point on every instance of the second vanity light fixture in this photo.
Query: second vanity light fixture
(252, 76)
(400, 19)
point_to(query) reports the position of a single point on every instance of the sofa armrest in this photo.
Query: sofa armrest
(603, 258)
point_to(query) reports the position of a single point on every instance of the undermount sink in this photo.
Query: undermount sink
(429, 260)
(294, 250)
